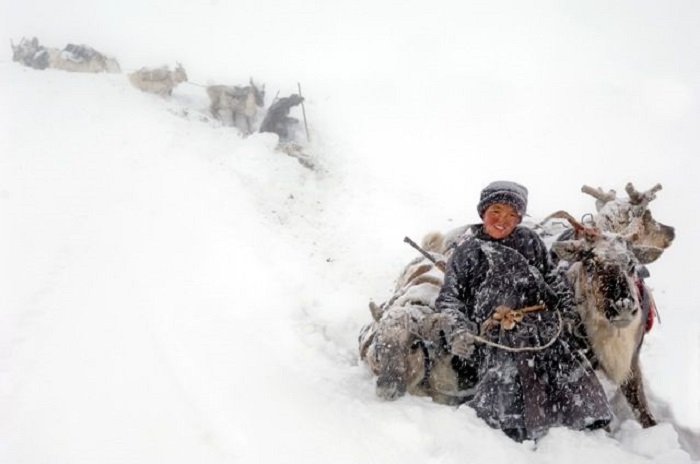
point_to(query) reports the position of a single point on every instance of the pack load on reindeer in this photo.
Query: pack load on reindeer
(231, 103)
(74, 58)
(604, 259)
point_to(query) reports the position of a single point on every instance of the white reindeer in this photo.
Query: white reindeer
(160, 81)
(237, 101)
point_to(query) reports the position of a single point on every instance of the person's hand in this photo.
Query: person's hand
(462, 344)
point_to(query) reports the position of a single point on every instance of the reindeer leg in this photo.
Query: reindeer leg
(633, 389)
(214, 111)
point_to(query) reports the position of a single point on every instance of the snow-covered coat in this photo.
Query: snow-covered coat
(527, 391)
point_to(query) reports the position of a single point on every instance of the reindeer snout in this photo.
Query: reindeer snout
(621, 312)
(390, 387)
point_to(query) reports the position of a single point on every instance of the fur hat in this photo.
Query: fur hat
(503, 191)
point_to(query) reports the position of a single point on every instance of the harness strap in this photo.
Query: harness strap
(647, 300)
(427, 362)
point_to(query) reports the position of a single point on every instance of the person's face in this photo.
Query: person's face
(500, 220)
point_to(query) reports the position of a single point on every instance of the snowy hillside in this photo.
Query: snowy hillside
(171, 291)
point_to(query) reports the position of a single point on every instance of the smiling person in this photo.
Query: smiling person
(525, 369)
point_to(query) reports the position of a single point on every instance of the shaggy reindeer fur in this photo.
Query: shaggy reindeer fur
(614, 327)
(160, 81)
(615, 344)
(81, 58)
(397, 347)
(243, 101)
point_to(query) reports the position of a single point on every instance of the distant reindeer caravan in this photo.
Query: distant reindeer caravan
(238, 106)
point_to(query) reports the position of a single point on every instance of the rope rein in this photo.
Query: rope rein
(485, 341)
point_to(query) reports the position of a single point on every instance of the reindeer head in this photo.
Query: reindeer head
(259, 93)
(179, 75)
(398, 355)
(632, 218)
(401, 362)
(603, 273)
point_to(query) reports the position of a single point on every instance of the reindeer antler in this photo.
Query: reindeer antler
(561, 214)
(601, 197)
(641, 198)
(588, 232)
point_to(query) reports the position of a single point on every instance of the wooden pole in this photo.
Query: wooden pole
(303, 111)
(439, 264)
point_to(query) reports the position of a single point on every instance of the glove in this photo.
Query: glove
(462, 344)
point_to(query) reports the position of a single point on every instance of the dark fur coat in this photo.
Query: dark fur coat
(527, 392)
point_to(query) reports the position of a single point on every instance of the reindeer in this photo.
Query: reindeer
(82, 58)
(160, 81)
(237, 100)
(397, 345)
(611, 298)
(29, 53)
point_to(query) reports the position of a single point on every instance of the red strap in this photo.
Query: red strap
(642, 293)
(652, 312)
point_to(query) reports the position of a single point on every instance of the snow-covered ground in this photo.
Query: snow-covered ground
(171, 291)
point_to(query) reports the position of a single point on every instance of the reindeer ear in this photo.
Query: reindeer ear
(568, 250)
(375, 310)
(646, 254)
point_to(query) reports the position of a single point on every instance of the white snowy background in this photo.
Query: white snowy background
(171, 291)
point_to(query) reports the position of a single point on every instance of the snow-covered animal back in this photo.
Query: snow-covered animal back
(82, 58)
(160, 81)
